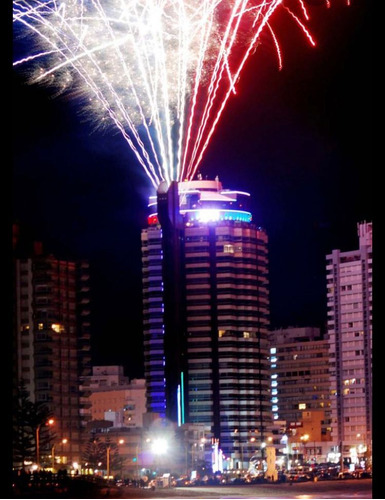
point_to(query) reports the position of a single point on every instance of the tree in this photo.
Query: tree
(95, 453)
(23, 438)
(28, 418)
(39, 416)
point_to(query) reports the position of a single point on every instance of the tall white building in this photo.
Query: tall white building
(299, 374)
(349, 301)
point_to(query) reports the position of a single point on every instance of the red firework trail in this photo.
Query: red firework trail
(161, 72)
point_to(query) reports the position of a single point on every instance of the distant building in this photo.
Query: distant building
(52, 344)
(299, 363)
(205, 330)
(113, 397)
(107, 376)
(349, 301)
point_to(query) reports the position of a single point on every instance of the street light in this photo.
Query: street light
(51, 421)
(63, 441)
(305, 439)
(108, 451)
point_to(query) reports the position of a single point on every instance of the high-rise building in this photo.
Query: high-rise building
(52, 345)
(206, 313)
(349, 300)
(299, 361)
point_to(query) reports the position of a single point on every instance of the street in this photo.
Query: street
(334, 489)
(357, 489)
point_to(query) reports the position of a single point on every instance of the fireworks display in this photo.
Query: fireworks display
(161, 71)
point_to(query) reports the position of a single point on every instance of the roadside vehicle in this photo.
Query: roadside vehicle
(345, 475)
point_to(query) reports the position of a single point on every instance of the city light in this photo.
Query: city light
(215, 214)
(207, 215)
(173, 153)
(159, 446)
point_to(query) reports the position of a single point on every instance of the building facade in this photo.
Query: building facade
(52, 345)
(299, 362)
(349, 300)
(114, 397)
(223, 319)
(107, 376)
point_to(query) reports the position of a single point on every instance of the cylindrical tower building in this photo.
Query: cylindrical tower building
(224, 275)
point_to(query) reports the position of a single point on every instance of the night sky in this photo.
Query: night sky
(299, 140)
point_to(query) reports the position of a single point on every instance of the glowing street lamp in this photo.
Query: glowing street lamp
(51, 421)
(63, 441)
(305, 439)
(108, 451)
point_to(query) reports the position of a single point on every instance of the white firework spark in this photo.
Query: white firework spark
(161, 71)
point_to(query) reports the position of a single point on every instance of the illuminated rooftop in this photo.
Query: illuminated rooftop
(206, 201)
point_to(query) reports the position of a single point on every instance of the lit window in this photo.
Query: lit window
(246, 335)
(221, 333)
(40, 326)
(57, 328)
(228, 248)
(273, 350)
(302, 406)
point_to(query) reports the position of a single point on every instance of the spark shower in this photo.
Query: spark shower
(161, 71)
